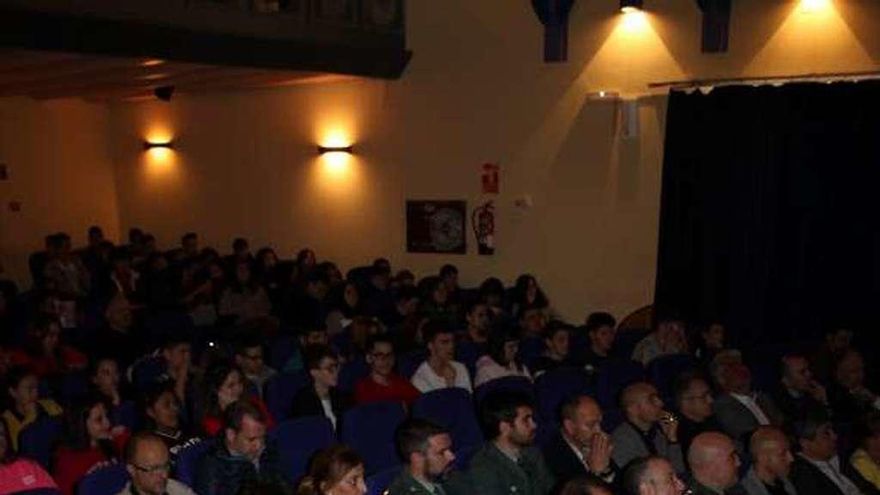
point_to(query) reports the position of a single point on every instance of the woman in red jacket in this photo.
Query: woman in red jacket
(224, 384)
(92, 442)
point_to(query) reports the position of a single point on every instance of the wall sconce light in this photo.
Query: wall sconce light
(627, 6)
(168, 145)
(335, 149)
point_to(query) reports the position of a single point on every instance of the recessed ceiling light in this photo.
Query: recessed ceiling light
(152, 62)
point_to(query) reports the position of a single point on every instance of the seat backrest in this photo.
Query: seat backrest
(467, 354)
(104, 481)
(147, 371)
(37, 439)
(506, 383)
(351, 372)
(298, 439)
(452, 408)
(280, 350)
(555, 386)
(280, 391)
(408, 363)
(188, 461)
(125, 414)
(369, 429)
(613, 376)
(530, 349)
(664, 369)
(379, 482)
(626, 341)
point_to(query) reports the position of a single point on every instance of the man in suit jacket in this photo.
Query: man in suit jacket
(817, 469)
(426, 449)
(740, 409)
(798, 393)
(580, 447)
(508, 462)
(322, 398)
(714, 464)
(648, 429)
(771, 463)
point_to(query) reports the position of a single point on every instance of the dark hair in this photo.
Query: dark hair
(214, 378)
(234, 415)
(807, 426)
(448, 269)
(95, 230)
(379, 338)
(568, 408)
(314, 354)
(328, 467)
(433, 328)
(336, 298)
(412, 436)
(136, 439)
(37, 332)
(500, 406)
(520, 289)
(598, 320)
(188, 236)
(683, 383)
(554, 327)
(472, 305)
(635, 472)
(247, 341)
(135, 235)
(491, 286)
(583, 485)
(77, 433)
(239, 243)
(405, 294)
(16, 375)
(151, 395)
(303, 254)
(498, 341)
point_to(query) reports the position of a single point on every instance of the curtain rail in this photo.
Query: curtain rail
(695, 83)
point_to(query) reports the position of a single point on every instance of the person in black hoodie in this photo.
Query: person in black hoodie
(322, 398)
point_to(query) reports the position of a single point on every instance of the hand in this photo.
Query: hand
(669, 426)
(600, 453)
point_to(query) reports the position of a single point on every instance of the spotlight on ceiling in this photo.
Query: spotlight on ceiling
(164, 93)
(627, 6)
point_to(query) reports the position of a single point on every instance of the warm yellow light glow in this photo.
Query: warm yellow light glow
(630, 10)
(336, 139)
(160, 155)
(635, 21)
(814, 6)
(152, 62)
(337, 162)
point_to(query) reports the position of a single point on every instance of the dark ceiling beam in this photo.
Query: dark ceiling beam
(379, 56)
(716, 25)
(553, 14)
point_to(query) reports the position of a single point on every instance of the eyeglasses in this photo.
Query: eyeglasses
(161, 468)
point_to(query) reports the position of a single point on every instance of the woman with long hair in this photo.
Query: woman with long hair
(337, 470)
(224, 384)
(501, 360)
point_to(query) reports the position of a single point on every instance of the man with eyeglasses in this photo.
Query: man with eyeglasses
(249, 357)
(693, 398)
(148, 465)
(714, 464)
(383, 384)
(651, 475)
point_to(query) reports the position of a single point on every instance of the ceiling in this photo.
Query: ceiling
(47, 75)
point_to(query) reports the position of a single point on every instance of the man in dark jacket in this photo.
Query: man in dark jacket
(426, 449)
(817, 470)
(580, 448)
(239, 455)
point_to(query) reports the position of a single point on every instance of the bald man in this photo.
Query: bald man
(648, 429)
(714, 463)
(148, 465)
(580, 448)
(771, 463)
(651, 476)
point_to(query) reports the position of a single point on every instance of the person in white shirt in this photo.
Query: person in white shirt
(440, 370)
(816, 469)
(148, 465)
(501, 360)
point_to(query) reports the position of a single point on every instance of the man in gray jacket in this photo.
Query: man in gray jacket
(771, 463)
(648, 429)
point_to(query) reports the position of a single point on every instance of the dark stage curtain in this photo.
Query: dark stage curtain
(769, 218)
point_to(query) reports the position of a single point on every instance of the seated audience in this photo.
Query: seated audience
(25, 406)
(344, 303)
(90, 441)
(244, 300)
(533, 321)
(651, 475)
(693, 399)
(440, 370)
(492, 295)
(148, 465)
(17, 474)
(176, 356)
(224, 386)
(434, 299)
(771, 463)
(249, 358)
(824, 359)
(509, 462)
(501, 360)
(714, 463)
(740, 409)
(161, 412)
(104, 377)
(305, 338)
(304, 308)
(648, 429)
(817, 469)
(477, 332)
(580, 447)
(426, 450)
(600, 328)
(449, 277)
(527, 293)
(322, 398)
(383, 384)
(43, 351)
(557, 337)
(240, 455)
(65, 271)
(866, 459)
(337, 470)
(798, 393)
(667, 338)
(849, 395)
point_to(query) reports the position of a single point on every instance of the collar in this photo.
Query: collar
(134, 491)
(833, 463)
(749, 397)
(580, 453)
(427, 485)
(513, 456)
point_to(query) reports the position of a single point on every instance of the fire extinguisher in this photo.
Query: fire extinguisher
(483, 222)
